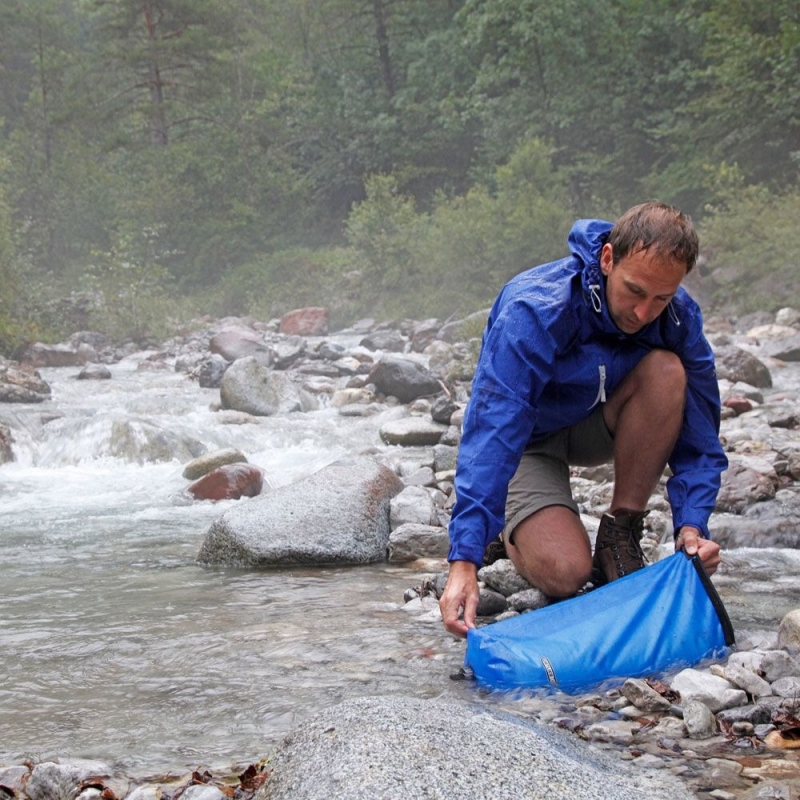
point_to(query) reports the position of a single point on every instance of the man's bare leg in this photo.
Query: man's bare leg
(645, 415)
(551, 550)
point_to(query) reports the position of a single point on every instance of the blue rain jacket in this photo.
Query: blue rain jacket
(551, 352)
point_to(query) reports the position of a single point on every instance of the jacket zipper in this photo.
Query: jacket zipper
(601, 390)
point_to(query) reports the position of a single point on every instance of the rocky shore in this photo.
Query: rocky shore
(727, 730)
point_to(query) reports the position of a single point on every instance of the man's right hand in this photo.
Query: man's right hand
(460, 594)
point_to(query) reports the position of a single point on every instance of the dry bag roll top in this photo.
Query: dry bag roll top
(666, 616)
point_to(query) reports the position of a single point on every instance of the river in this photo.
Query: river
(116, 645)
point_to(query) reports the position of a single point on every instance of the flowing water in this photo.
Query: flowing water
(115, 644)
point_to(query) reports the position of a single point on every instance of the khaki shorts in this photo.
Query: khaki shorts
(542, 478)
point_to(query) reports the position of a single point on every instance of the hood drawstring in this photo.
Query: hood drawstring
(673, 313)
(594, 293)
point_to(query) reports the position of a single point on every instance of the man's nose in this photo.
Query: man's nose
(643, 310)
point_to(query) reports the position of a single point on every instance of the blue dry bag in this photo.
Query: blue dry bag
(663, 617)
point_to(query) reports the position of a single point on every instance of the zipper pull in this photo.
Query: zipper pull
(601, 390)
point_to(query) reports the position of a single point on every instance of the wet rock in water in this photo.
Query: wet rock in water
(403, 378)
(738, 404)
(143, 442)
(94, 372)
(250, 387)
(203, 464)
(235, 343)
(411, 541)
(228, 482)
(6, 440)
(339, 515)
(209, 371)
(412, 431)
(786, 348)
(21, 384)
(699, 720)
(58, 355)
(715, 692)
(397, 746)
(311, 321)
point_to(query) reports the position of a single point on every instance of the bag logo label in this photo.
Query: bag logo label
(548, 668)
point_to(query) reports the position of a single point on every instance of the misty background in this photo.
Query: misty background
(164, 159)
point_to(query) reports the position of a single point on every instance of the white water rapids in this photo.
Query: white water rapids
(116, 645)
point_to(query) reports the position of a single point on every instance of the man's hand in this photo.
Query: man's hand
(460, 593)
(692, 543)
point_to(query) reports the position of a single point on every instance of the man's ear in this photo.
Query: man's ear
(606, 259)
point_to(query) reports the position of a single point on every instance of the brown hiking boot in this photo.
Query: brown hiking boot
(618, 549)
(494, 552)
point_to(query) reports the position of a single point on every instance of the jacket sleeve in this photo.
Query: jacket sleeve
(698, 460)
(514, 365)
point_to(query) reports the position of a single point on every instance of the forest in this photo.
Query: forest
(164, 159)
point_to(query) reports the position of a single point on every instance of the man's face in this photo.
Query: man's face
(639, 287)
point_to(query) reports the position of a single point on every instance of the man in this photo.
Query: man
(597, 357)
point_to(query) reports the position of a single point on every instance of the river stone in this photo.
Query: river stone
(228, 482)
(789, 630)
(39, 354)
(22, 384)
(715, 692)
(528, 600)
(339, 515)
(699, 720)
(145, 443)
(389, 747)
(741, 487)
(235, 343)
(6, 453)
(786, 349)
(502, 576)
(310, 321)
(251, 387)
(94, 372)
(735, 364)
(203, 464)
(52, 780)
(414, 504)
(412, 540)
(389, 340)
(403, 378)
(643, 696)
(412, 432)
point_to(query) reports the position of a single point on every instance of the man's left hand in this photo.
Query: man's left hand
(693, 543)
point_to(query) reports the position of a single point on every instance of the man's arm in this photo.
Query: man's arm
(460, 593)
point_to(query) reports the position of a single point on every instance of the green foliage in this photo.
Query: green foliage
(132, 301)
(456, 257)
(755, 233)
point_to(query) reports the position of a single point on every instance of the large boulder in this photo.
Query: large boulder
(58, 355)
(385, 747)
(22, 384)
(403, 378)
(249, 386)
(735, 364)
(234, 343)
(339, 515)
(311, 321)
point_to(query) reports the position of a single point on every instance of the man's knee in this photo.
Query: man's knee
(664, 368)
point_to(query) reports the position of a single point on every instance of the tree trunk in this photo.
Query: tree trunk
(158, 121)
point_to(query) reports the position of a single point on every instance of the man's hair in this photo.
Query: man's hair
(665, 229)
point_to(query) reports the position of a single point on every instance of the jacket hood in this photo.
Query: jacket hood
(586, 240)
